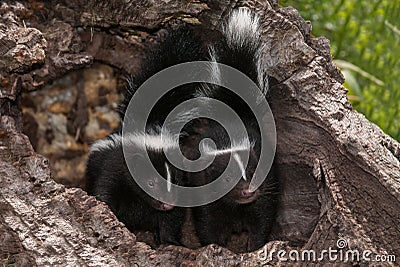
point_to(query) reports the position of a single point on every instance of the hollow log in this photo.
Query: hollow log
(339, 173)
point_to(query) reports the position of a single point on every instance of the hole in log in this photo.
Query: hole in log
(79, 108)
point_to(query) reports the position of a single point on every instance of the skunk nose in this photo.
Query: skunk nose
(166, 206)
(247, 193)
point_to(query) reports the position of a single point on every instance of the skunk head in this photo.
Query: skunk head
(107, 163)
(224, 151)
(168, 172)
(240, 194)
(240, 47)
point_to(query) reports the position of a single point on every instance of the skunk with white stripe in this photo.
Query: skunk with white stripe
(109, 180)
(241, 209)
(108, 177)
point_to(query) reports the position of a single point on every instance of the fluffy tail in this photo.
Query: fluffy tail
(242, 31)
(241, 47)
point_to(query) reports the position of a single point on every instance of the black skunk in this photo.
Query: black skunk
(240, 209)
(109, 179)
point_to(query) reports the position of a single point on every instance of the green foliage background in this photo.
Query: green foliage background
(365, 44)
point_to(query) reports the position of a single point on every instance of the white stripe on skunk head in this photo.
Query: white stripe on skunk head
(168, 177)
(242, 145)
(151, 141)
(240, 163)
(242, 29)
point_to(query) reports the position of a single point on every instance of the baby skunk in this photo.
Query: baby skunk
(240, 209)
(109, 180)
(108, 177)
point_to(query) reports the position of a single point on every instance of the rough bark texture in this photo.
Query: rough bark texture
(340, 174)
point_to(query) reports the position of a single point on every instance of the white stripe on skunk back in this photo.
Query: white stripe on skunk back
(149, 141)
(215, 71)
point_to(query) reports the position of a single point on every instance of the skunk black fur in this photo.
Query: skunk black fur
(240, 209)
(109, 180)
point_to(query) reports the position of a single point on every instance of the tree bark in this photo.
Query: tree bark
(340, 174)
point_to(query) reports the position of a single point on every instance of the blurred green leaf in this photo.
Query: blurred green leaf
(347, 65)
(352, 84)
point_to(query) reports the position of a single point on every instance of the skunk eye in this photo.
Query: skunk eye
(150, 183)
